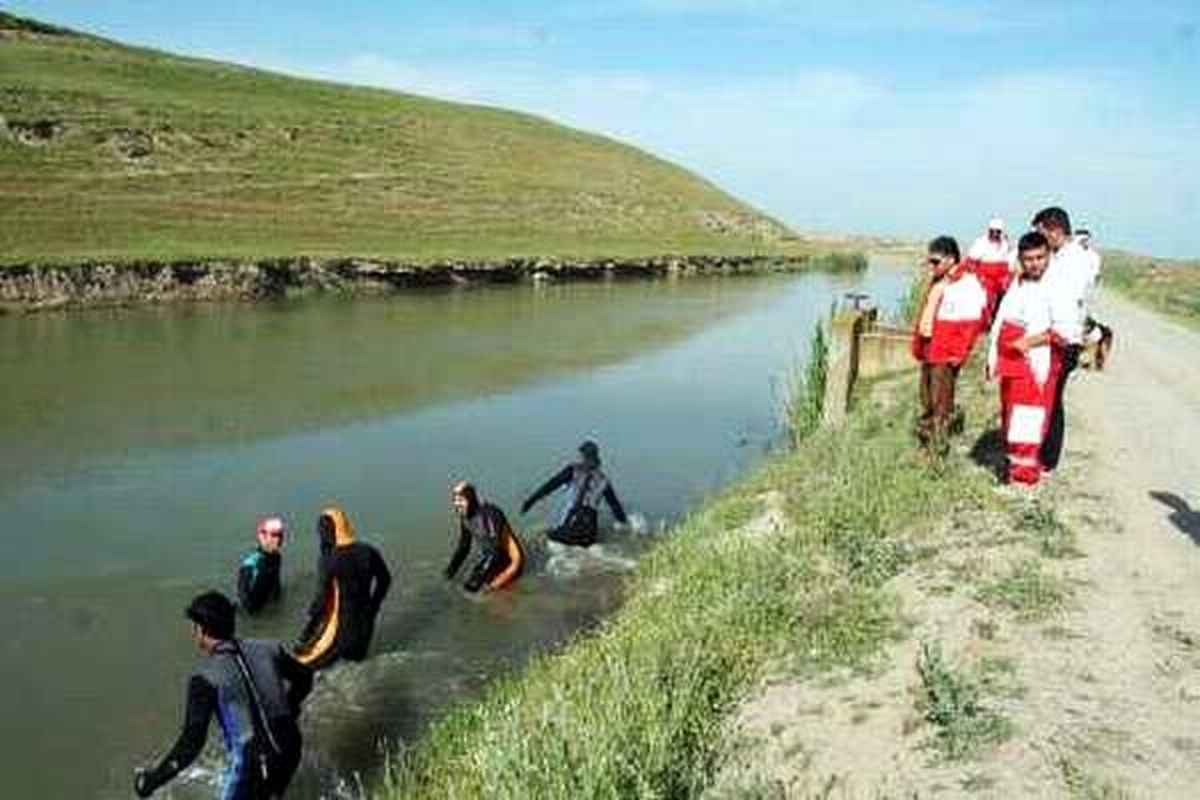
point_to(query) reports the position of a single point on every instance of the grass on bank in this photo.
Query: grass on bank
(1168, 286)
(109, 151)
(638, 707)
(952, 702)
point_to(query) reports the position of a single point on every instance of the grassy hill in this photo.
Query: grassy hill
(116, 152)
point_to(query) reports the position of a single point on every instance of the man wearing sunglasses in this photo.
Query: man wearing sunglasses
(952, 315)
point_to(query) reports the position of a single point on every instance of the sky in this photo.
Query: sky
(908, 118)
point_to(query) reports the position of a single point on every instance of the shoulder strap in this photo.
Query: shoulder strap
(256, 708)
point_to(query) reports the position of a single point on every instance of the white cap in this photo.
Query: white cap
(995, 224)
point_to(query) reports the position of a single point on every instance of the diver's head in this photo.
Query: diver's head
(213, 618)
(270, 534)
(464, 498)
(333, 529)
(590, 451)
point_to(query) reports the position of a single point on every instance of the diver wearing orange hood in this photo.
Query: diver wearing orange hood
(352, 580)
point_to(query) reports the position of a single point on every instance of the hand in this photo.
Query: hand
(141, 782)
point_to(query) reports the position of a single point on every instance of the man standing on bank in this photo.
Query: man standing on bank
(1020, 357)
(952, 316)
(580, 522)
(254, 688)
(1068, 282)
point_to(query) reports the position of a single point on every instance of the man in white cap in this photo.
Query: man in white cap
(989, 258)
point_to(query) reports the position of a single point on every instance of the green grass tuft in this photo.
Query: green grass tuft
(805, 401)
(951, 703)
(1028, 590)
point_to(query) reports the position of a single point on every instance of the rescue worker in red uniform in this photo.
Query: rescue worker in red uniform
(1024, 354)
(953, 314)
(990, 258)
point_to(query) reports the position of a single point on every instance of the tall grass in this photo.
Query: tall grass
(805, 399)
(637, 708)
(840, 261)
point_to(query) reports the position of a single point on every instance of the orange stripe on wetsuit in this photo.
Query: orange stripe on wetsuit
(343, 535)
(516, 559)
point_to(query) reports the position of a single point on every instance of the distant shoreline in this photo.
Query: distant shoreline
(28, 288)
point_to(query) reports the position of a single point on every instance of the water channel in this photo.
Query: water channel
(138, 447)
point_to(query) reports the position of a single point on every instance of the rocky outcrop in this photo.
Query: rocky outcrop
(33, 287)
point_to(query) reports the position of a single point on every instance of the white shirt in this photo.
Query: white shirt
(1069, 280)
(986, 251)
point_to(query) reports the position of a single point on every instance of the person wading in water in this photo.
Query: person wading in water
(500, 554)
(588, 484)
(254, 689)
(352, 580)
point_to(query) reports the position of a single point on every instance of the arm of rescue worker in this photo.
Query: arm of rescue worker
(610, 497)
(201, 704)
(299, 679)
(381, 580)
(316, 609)
(1026, 343)
(561, 479)
(460, 552)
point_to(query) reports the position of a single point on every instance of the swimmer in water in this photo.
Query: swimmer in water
(500, 554)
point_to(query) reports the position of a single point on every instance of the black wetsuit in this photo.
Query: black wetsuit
(489, 528)
(218, 688)
(258, 580)
(580, 524)
(362, 579)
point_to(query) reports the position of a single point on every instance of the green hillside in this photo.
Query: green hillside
(116, 152)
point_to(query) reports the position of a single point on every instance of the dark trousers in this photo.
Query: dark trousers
(1056, 434)
(937, 405)
(580, 528)
(249, 780)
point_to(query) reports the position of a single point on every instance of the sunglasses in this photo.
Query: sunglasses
(933, 261)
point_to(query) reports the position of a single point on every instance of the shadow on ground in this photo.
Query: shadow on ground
(988, 452)
(1182, 516)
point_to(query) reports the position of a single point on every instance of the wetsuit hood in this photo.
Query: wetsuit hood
(342, 532)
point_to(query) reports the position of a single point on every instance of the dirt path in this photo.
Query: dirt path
(1103, 696)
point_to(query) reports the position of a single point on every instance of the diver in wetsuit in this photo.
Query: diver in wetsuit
(500, 554)
(580, 523)
(352, 580)
(258, 575)
(254, 689)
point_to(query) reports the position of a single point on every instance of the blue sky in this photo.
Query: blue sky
(908, 118)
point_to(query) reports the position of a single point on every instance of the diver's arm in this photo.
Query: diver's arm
(610, 497)
(245, 585)
(382, 580)
(561, 479)
(201, 703)
(460, 552)
(299, 679)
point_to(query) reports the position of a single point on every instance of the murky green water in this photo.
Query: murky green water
(137, 448)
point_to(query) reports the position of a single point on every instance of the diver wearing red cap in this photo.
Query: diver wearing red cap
(258, 575)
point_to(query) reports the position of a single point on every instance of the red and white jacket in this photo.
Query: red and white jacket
(958, 319)
(1026, 310)
(991, 261)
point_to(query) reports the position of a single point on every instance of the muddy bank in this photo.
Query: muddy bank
(32, 287)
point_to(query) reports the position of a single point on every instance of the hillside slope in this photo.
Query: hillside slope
(115, 152)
